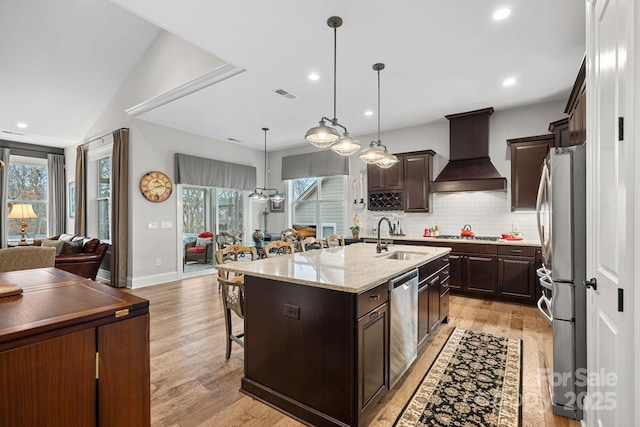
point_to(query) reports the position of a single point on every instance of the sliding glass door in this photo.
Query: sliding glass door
(207, 211)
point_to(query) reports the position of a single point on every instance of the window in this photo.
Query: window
(28, 183)
(320, 202)
(103, 198)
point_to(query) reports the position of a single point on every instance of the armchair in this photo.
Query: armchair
(201, 250)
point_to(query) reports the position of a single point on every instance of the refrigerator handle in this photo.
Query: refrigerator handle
(541, 193)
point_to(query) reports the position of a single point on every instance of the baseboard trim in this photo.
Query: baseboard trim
(155, 279)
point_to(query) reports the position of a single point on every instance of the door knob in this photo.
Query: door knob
(593, 283)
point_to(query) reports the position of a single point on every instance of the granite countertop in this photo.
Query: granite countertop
(354, 268)
(523, 242)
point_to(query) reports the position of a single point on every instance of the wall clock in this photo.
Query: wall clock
(156, 186)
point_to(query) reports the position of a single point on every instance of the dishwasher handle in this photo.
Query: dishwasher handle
(399, 281)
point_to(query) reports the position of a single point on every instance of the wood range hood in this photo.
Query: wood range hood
(469, 167)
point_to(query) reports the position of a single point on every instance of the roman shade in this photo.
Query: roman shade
(314, 165)
(214, 173)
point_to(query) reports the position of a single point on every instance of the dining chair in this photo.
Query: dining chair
(295, 238)
(310, 243)
(224, 239)
(287, 231)
(232, 301)
(277, 247)
(334, 240)
(233, 253)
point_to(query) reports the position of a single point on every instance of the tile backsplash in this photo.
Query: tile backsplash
(488, 213)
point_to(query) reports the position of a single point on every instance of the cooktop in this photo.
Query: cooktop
(458, 237)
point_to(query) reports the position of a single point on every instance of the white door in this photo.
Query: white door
(609, 215)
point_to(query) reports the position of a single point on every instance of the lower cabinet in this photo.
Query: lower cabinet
(516, 274)
(373, 360)
(433, 277)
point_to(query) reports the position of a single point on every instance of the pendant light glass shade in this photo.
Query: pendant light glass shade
(371, 155)
(259, 194)
(387, 160)
(322, 136)
(346, 145)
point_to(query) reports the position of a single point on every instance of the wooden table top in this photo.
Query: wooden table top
(54, 299)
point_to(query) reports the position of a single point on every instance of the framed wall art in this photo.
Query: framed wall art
(276, 206)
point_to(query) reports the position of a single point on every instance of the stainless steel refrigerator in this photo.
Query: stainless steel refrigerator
(561, 214)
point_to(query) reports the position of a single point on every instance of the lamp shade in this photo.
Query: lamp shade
(371, 155)
(322, 136)
(387, 160)
(346, 146)
(22, 211)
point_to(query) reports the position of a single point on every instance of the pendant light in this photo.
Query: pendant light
(323, 136)
(373, 154)
(259, 194)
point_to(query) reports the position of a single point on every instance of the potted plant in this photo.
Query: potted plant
(355, 228)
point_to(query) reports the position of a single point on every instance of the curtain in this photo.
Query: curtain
(56, 189)
(214, 173)
(119, 208)
(314, 165)
(4, 212)
(80, 225)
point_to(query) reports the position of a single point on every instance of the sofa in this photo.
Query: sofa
(79, 255)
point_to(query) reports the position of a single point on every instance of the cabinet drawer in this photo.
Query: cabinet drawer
(426, 270)
(372, 298)
(444, 285)
(431, 281)
(517, 250)
(444, 306)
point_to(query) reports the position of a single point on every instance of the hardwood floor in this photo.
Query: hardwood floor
(193, 385)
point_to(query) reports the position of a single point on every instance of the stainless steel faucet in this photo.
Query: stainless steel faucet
(381, 246)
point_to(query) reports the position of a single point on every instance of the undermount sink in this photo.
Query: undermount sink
(403, 255)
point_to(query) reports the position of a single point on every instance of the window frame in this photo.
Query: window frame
(31, 161)
(319, 202)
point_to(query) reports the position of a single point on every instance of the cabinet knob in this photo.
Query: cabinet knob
(374, 314)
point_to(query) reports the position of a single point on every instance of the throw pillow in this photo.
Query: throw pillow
(66, 237)
(203, 242)
(91, 246)
(206, 234)
(69, 248)
(53, 243)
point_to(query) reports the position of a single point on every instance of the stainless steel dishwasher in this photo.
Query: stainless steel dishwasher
(403, 336)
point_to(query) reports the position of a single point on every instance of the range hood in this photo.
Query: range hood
(469, 167)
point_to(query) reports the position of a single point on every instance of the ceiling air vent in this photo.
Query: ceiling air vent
(233, 139)
(284, 93)
(12, 133)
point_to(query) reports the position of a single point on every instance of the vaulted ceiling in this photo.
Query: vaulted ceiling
(65, 60)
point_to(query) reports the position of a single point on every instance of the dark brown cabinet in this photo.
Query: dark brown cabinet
(83, 361)
(527, 157)
(373, 360)
(417, 176)
(480, 273)
(576, 109)
(431, 278)
(560, 129)
(516, 273)
(379, 179)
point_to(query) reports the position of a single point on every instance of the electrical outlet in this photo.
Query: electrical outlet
(292, 311)
(158, 261)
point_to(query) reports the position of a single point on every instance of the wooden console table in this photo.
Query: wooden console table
(73, 352)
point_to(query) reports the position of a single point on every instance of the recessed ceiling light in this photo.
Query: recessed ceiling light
(509, 82)
(500, 14)
(368, 113)
(314, 76)
(21, 125)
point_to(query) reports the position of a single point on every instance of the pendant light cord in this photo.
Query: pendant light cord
(265, 158)
(378, 106)
(335, 59)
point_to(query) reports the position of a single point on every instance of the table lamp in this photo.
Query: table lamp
(22, 211)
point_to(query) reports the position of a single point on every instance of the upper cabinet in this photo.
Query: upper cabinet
(577, 109)
(417, 177)
(405, 186)
(560, 129)
(527, 155)
(379, 179)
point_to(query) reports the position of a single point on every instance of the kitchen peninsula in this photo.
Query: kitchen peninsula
(317, 327)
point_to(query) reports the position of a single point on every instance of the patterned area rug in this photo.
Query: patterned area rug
(476, 380)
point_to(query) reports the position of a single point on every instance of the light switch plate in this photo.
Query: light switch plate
(166, 224)
(152, 225)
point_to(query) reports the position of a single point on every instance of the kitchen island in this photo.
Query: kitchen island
(317, 328)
